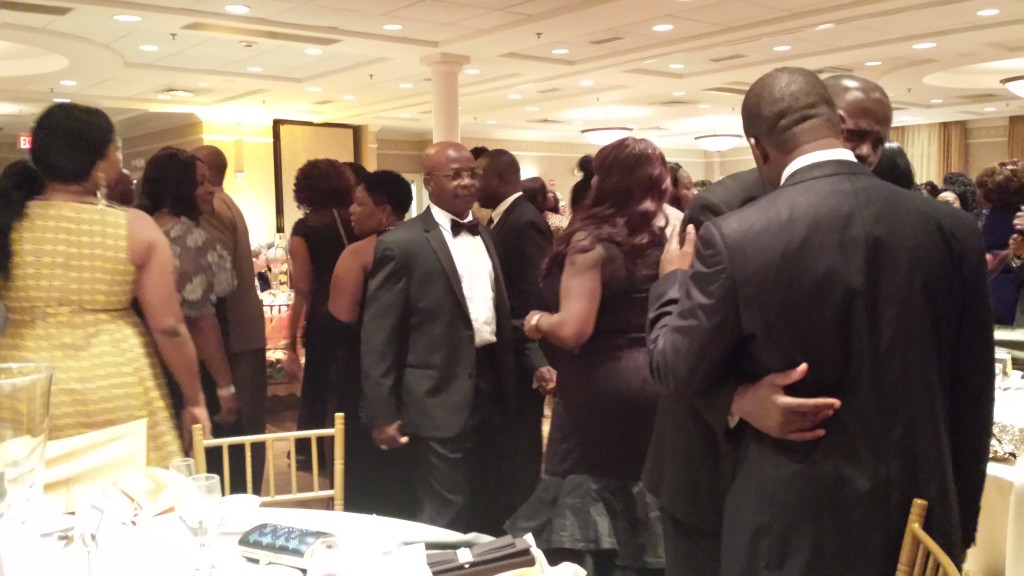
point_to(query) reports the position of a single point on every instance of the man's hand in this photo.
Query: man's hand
(293, 366)
(191, 415)
(1018, 222)
(765, 406)
(390, 436)
(545, 380)
(678, 256)
(1017, 246)
(228, 410)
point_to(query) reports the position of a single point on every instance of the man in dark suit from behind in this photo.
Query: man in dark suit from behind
(522, 240)
(909, 359)
(437, 350)
(701, 430)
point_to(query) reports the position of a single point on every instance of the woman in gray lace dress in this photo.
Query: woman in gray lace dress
(175, 191)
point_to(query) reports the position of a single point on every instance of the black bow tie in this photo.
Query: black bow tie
(473, 227)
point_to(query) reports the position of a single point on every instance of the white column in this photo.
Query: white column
(444, 77)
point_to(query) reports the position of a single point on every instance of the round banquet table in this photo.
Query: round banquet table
(163, 546)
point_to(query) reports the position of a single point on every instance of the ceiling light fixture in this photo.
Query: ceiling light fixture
(149, 47)
(990, 109)
(348, 97)
(651, 61)
(987, 12)
(924, 45)
(662, 27)
(238, 9)
(472, 71)
(605, 135)
(68, 83)
(586, 83)
(680, 93)
(873, 63)
(718, 142)
(406, 85)
(392, 27)
(705, 106)
(824, 26)
(314, 89)
(936, 101)
(531, 109)
(405, 115)
(1014, 84)
(560, 51)
(127, 18)
(677, 66)
(62, 100)
(492, 121)
(255, 69)
(782, 48)
(514, 96)
(314, 51)
(176, 92)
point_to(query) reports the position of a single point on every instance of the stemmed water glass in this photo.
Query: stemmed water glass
(200, 510)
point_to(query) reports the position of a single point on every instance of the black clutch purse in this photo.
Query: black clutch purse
(495, 557)
(279, 544)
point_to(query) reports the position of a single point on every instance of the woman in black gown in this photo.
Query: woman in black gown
(590, 501)
(376, 482)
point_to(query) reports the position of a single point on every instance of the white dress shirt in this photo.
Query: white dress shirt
(502, 207)
(476, 273)
(814, 158)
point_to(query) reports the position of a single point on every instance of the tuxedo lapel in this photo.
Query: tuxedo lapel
(435, 237)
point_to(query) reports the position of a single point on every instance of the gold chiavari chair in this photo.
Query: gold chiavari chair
(920, 555)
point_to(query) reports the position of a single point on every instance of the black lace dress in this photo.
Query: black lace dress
(590, 498)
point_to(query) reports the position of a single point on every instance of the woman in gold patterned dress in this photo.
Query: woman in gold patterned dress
(70, 265)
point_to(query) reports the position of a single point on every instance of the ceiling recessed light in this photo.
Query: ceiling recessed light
(990, 109)
(514, 96)
(177, 92)
(237, 9)
(405, 115)
(163, 96)
(873, 63)
(703, 105)
(128, 18)
(651, 61)
(314, 89)
(925, 45)
(782, 48)
(149, 47)
(472, 71)
(824, 26)
(348, 97)
(254, 69)
(66, 100)
(560, 51)
(68, 83)
(987, 12)
(677, 66)
(936, 100)
(314, 51)
(492, 121)
(680, 93)
(406, 85)
(586, 83)
(662, 27)
(531, 109)
(392, 27)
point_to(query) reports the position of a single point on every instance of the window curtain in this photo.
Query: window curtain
(952, 147)
(1015, 139)
(921, 143)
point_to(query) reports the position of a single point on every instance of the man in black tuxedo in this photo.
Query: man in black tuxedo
(522, 240)
(437, 350)
(693, 497)
(882, 295)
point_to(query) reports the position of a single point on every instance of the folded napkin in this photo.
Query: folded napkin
(487, 559)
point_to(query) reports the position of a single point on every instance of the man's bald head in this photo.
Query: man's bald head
(215, 161)
(865, 113)
(786, 112)
(450, 177)
(499, 177)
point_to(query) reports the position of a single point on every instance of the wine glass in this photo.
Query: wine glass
(184, 466)
(200, 510)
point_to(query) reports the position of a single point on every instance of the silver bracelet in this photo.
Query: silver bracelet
(226, 391)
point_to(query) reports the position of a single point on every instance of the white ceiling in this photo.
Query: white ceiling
(723, 44)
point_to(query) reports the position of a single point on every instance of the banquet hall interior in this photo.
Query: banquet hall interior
(275, 83)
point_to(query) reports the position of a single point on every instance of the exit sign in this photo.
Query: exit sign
(24, 141)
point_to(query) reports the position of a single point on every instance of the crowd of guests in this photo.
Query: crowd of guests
(725, 399)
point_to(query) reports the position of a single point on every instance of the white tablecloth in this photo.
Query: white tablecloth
(162, 546)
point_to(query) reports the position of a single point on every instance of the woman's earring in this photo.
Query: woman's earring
(101, 188)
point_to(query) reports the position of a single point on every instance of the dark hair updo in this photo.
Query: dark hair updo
(169, 183)
(387, 187)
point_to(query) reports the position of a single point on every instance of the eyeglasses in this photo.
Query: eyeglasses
(456, 175)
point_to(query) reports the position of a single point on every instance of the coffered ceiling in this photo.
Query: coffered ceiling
(545, 68)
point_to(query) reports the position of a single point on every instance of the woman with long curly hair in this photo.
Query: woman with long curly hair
(590, 501)
(324, 191)
(1002, 188)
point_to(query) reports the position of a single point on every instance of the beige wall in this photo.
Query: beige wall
(986, 143)
(250, 177)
